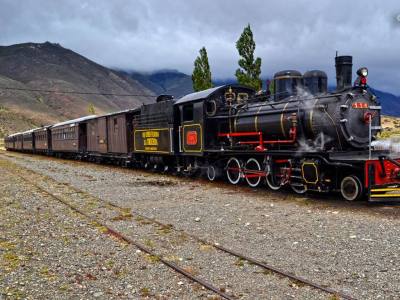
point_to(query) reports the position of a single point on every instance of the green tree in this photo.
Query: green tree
(250, 69)
(91, 109)
(201, 76)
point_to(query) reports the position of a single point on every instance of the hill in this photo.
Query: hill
(48, 66)
(390, 103)
(171, 82)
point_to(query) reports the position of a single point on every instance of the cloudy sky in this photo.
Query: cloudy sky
(147, 35)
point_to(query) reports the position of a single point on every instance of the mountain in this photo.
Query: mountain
(390, 103)
(171, 82)
(48, 66)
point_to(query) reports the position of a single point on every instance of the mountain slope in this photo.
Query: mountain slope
(49, 66)
(170, 82)
(390, 103)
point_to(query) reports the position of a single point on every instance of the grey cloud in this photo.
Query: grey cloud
(152, 34)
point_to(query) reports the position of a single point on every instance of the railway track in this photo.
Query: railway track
(32, 177)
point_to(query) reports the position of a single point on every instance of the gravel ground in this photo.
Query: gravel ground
(47, 251)
(350, 247)
(228, 273)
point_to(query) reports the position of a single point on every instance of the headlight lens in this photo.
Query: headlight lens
(364, 72)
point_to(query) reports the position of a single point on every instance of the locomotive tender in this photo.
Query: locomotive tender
(297, 135)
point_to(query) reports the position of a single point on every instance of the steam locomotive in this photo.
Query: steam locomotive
(297, 135)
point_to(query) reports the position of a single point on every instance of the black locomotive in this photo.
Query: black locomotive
(297, 134)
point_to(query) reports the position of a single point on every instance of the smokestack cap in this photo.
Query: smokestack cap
(344, 60)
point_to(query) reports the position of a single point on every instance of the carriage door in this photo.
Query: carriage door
(191, 131)
(102, 135)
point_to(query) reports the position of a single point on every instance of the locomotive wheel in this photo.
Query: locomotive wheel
(273, 181)
(252, 168)
(211, 173)
(351, 188)
(299, 188)
(233, 170)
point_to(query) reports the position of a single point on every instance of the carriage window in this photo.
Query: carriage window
(115, 124)
(187, 112)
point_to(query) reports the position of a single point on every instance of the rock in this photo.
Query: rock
(98, 294)
(197, 219)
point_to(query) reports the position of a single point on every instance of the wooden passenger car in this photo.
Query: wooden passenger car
(28, 143)
(70, 136)
(97, 135)
(119, 131)
(18, 141)
(111, 134)
(9, 142)
(42, 138)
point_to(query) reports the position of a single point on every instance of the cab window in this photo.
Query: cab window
(187, 112)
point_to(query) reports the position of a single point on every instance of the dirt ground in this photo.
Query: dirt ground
(48, 251)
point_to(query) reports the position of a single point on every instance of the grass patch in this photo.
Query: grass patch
(165, 229)
(99, 227)
(152, 258)
(240, 262)
(144, 292)
(5, 245)
(11, 261)
(124, 216)
(149, 243)
(206, 248)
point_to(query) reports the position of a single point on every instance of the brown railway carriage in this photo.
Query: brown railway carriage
(70, 136)
(9, 142)
(28, 143)
(42, 138)
(97, 135)
(111, 134)
(119, 131)
(18, 141)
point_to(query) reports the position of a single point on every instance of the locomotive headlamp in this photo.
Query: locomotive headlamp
(362, 72)
(362, 77)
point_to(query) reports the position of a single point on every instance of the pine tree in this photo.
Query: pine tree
(201, 76)
(249, 72)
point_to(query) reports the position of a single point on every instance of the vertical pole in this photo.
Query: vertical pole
(370, 135)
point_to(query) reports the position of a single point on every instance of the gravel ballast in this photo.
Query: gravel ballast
(349, 247)
(48, 251)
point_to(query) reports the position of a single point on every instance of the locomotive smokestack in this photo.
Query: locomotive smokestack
(344, 65)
